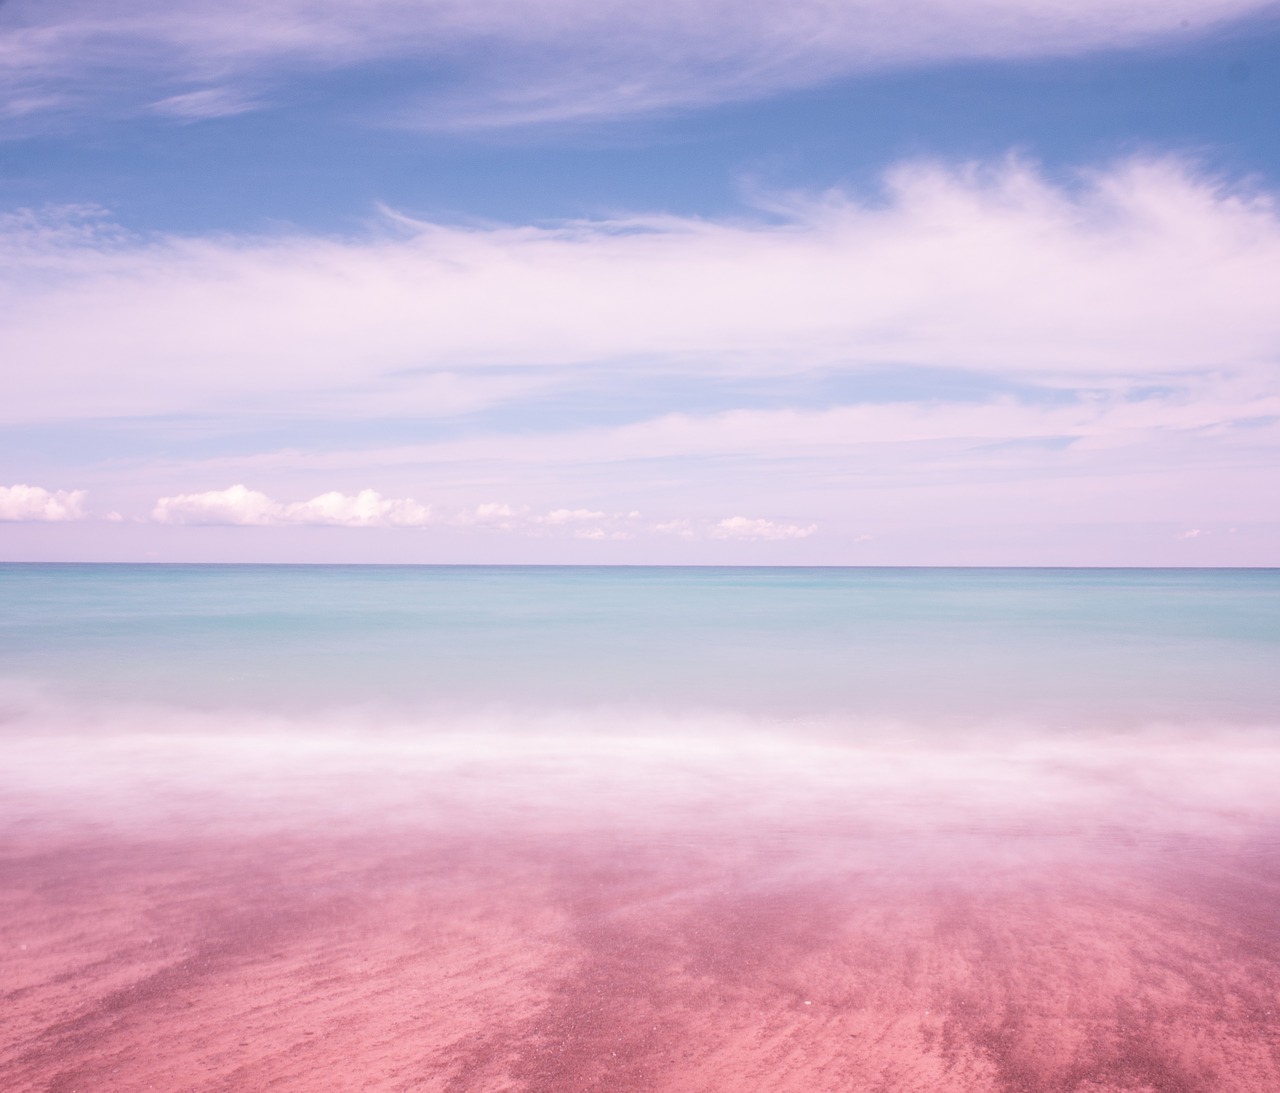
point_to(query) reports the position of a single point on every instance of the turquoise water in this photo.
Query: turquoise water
(852, 829)
(1053, 647)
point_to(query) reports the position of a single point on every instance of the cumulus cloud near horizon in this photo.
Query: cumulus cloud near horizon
(238, 505)
(591, 524)
(744, 527)
(241, 506)
(20, 503)
(1138, 273)
(533, 61)
(579, 523)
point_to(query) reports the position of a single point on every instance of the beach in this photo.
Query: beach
(602, 897)
(393, 964)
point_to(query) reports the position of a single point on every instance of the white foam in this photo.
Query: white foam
(158, 768)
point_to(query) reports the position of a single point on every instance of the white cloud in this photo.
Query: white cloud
(1143, 271)
(598, 534)
(234, 505)
(580, 523)
(34, 503)
(1169, 459)
(742, 527)
(209, 102)
(239, 505)
(736, 527)
(572, 516)
(601, 526)
(554, 60)
(682, 529)
(364, 509)
(1203, 410)
(495, 516)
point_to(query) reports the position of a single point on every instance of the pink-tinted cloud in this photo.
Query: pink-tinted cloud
(211, 102)
(744, 527)
(1146, 271)
(22, 503)
(239, 505)
(557, 60)
(1115, 344)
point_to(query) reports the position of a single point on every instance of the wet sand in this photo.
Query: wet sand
(809, 960)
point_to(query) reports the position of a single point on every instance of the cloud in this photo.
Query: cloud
(736, 527)
(572, 516)
(682, 529)
(241, 506)
(974, 346)
(1099, 420)
(1144, 272)
(502, 62)
(235, 505)
(1195, 421)
(1167, 458)
(742, 527)
(22, 503)
(578, 523)
(496, 517)
(210, 102)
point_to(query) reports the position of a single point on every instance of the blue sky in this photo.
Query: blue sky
(850, 283)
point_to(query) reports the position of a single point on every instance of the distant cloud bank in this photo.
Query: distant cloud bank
(239, 506)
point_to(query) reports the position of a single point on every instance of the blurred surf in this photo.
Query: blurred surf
(548, 830)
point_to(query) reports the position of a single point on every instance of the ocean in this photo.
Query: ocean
(550, 828)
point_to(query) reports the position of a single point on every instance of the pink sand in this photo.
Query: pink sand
(394, 961)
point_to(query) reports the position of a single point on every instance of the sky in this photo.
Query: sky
(836, 282)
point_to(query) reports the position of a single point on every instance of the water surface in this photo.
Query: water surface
(639, 829)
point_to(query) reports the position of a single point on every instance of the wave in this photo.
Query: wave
(593, 768)
(601, 897)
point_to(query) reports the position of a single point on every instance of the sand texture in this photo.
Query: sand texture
(400, 960)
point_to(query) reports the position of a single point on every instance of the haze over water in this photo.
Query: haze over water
(575, 828)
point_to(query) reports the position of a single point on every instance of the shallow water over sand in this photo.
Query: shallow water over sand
(817, 880)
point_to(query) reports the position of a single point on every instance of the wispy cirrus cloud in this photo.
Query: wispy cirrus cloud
(497, 62)
(210, 102)
(1113, 345)
(1220, 434)
(35, 503)
(1139, 273)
